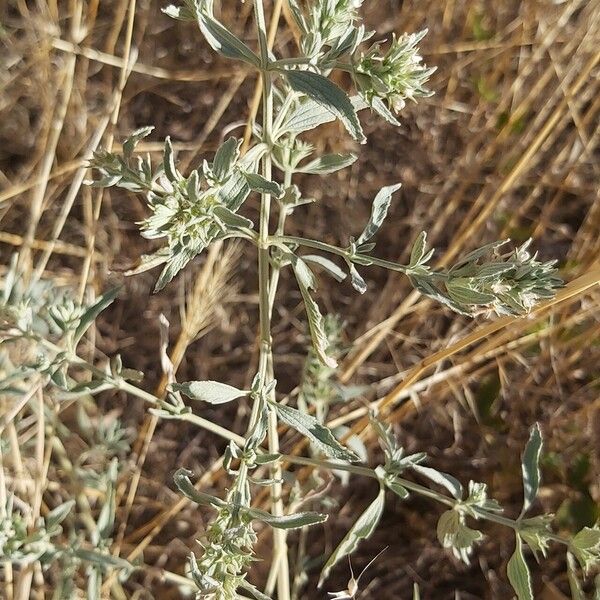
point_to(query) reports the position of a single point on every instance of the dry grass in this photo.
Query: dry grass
(508, 146)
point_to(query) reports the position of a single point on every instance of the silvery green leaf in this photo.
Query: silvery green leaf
(186, 487)
(149, 261)
(225, 156)
(315, 319)
(234, 191)
(453, 533)
(294, 521)
(379, 210)
(530, 467)
(362, 529)
(328, 265)
(223, 41)
(398, 489)
(254, 592)
(461, 292)
(169, 162)
(259, 184)
(329, 95)
(319, 435)
(175, 263)
(328, 163)
(89, 316)
(59, 514)
(230, 218)
(309, 114)
(358, 283)
(450, 483)
(379, 106)
(267, 459)
(99, 558)
(416, 592)
(131, 142)
(212, 392)
(106, 518)
(574, 583)
(518, 573)
(585, 545)
(418, 250)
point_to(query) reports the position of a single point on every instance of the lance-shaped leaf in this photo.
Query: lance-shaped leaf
(518, 573)
(329, 95)
(328, 163)
(131, 142)
(530, 467)
(102, 559)
(186, 487)
(450, 483)
(230, 218)
(294, 521)
(223, 41)
(212, 392)
(319, 435)
(362, 529)
(379, 210)
(56, 516)
(310, 114)
(259, 184)
(328, 265)
(89, 316)
(225, 156)
(306, 282)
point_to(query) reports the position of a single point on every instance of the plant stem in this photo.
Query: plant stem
(265, 366)
(413, 487)
(380, 262)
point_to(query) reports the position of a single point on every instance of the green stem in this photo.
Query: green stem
(413, 487)
(265, 357)
(316, 245)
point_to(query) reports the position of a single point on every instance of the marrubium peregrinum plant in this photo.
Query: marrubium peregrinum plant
(190, 211)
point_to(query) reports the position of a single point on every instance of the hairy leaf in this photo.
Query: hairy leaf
(89, 316)
(379, 210)
(362, 529)
(212, 392)
(531, 467)
(518, 573)
(450, 483)
(328, 163)
(223, 41)
(319, 435)
(330, 96)
(294, 521)
(313, 314)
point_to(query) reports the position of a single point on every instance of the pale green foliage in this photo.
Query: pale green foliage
(189, 212)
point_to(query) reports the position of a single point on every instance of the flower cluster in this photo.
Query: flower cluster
(394, 75)
(227, 553)
(485, 280)
(334, 17)
(190, 212)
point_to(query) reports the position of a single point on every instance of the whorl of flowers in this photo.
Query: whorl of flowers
(227, 553)
(189, 212)
(394, 75)
(485, 280)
